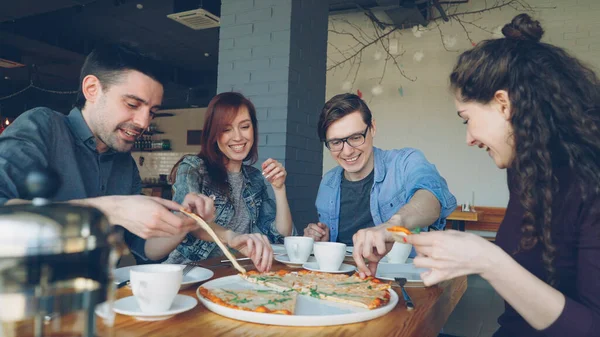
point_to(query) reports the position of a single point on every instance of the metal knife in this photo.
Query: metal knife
(122, 284)
(409, 303)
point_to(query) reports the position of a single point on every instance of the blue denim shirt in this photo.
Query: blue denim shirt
(398, 175)
(192, 176)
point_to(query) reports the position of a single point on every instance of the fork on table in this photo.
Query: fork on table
(188, 268)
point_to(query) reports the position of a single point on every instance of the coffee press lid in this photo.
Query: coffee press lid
(43, 228)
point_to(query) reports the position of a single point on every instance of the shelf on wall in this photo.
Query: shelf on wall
(163, 114)
(150, 133)
(150, 150)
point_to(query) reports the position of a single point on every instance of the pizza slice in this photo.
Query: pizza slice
(264, 301)
(399, 233)
(306, 279)
(369, 282)
(369, 293)
(281, 280)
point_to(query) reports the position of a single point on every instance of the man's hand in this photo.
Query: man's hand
(255, 246)
(371, 244)
(318, 231)
(144, 216)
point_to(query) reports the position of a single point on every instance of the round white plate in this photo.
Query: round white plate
(314, 266)
(388, 271)
(309, 311)
(286, 260)
(102, 310)
(198, 274)
(128, 306)
(349, 250)
(385, 260)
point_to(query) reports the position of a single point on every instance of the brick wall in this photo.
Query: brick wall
(274, 52)
(575, 26)
(305, 101)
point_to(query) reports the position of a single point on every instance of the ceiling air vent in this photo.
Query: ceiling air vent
(196, 19)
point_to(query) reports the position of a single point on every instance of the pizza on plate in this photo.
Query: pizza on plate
(267, 301)
(369, 293)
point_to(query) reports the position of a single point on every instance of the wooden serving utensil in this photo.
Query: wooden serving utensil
(212, 234)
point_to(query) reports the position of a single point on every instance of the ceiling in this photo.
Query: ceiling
(52, 37)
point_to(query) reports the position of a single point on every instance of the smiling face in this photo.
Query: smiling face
(489, 128)
(117, 115)
(236, 139)
(357, 162)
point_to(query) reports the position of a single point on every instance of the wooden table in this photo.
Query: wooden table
(433, 306)
(459, 218)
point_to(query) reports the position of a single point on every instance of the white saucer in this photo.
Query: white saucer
(197, 274)
(278, 248)
(389, 271)
(349, 250)
(286, 260)
(128, 306)
(385, 260)
(314, 266)
(102, 310)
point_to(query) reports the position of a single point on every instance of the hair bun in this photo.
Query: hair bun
(523, 27)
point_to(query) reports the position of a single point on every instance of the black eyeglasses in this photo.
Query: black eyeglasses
(355, 140)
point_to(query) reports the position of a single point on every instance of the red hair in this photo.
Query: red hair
(221, 111)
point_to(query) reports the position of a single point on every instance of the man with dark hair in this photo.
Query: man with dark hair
(372, 189)
(120, 91)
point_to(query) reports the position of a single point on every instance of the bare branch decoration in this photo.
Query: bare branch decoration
(350, 57)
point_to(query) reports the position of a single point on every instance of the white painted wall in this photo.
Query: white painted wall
(175, 129)
(425, 117)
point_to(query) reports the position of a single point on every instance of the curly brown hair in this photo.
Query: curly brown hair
(555, 105)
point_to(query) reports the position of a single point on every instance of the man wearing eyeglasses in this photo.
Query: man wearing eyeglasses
(372, 189)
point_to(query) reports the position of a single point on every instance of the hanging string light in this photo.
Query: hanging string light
(33, 86)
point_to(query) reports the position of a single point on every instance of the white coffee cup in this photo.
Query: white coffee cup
(298, 248)
(330, 255)
(399, 253)
(155, 286)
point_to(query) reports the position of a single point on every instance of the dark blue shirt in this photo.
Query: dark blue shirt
(45, 138)
(355, 199)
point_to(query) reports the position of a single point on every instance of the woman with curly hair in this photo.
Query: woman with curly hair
(536, 110)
